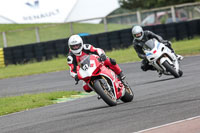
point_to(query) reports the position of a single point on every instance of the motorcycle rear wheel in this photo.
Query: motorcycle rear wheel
(170, 69)
(107, 96)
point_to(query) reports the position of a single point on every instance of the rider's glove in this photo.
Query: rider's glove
(76, 78)
(167, 43)
(103, 57)
(164, 41)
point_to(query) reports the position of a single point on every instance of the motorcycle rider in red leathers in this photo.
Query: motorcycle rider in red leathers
(78, 50)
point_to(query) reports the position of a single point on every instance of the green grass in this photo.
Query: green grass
(186, 47)
(49, 31)
(28, 101)
(56, 64)
(11, 27)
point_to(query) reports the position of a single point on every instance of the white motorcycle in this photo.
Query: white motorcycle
(162, 58)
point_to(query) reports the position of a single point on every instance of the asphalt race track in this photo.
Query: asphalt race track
(157, 101)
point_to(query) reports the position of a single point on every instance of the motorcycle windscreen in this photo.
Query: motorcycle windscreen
(87, 66)
(149, 45)
(85, 62)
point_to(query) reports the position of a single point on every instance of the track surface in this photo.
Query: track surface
(157, 101)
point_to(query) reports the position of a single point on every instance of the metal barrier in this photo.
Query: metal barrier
(107, 41)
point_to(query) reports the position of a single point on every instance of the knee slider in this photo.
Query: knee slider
(143, 67)
(112, 61)
(87, 88)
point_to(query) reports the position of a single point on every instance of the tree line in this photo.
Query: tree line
(147, 4)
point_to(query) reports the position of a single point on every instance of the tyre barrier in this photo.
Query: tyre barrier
(107, 41)
(2, 63)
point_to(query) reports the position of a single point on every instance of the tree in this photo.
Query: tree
(147, 4)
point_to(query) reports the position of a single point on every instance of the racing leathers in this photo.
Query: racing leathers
(139, 44)
(73, 61)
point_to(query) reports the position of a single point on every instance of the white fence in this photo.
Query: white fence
(177, 13)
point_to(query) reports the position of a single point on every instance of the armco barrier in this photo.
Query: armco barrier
(107, 41)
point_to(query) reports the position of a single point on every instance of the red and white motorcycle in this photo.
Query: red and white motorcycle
(103, 80)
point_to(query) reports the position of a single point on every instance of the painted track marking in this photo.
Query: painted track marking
(176, 125)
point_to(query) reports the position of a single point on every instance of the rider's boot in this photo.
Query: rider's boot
(121, 76)
(98, 97)
(179, 57)
(159, 74)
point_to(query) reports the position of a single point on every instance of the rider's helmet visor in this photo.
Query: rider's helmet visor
(75, 47)
(138, 35)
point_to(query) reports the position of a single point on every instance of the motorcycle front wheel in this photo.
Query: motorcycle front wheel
(170, 69)
(106, 95)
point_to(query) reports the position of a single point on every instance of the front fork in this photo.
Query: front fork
(118, 89)
(104, 84)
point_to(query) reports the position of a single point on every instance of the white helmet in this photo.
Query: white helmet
(137, 32)
(75, 44)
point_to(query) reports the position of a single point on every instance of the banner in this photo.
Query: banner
(35, 11)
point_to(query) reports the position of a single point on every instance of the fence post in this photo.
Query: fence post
(105, 24)
(71, 28)
(4, 39)
(190, 14)
(139, 17)
(37, 34)
(173, 14)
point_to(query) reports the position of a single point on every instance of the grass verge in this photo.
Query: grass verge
(49, 31)
(185, 47)
(28, 101)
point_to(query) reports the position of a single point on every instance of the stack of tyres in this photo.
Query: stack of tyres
(182, 30)
(114, 40)
(160, 30)
(8, 56)
(126, 38)
(92, 39)
(193, 28)
(171, 31)
(150, 28)
(18, 54)
(29, 53)
(61, 47)
(2, 63)
(49, 50)
(103, 41)
(39, 52)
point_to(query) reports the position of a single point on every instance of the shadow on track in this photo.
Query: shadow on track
(169, 103)
(155, 81)
(94, 108)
